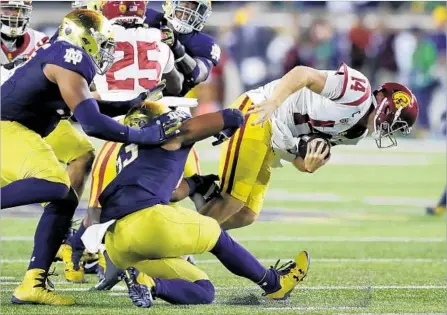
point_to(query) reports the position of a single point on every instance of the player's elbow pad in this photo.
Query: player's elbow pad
(98, 125)
(233, 118)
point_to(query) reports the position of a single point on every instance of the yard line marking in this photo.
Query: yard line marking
(58, 289)
(397, 201)
(338, 288)
(284, 195)
(312, 308)
(312, 288)
(16, 238)
(371, 239)
(346, 260)
(368, 239)
(322, 260)
(13, 261)
(396, 314)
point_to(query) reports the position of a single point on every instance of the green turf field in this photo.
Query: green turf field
(361, 218)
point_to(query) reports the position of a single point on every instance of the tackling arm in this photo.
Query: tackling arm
(174, 81)
(205, 126)
(76, 94)
(194, 70)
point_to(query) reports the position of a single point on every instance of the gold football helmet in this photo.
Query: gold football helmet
(139, 116)
(91, 31)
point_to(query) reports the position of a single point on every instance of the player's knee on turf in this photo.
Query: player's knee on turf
(207, 296)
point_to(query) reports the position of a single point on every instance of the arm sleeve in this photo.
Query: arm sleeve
(98, 125)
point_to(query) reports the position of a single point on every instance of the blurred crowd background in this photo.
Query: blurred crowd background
(388, 41)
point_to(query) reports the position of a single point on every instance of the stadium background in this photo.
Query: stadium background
(361, 216)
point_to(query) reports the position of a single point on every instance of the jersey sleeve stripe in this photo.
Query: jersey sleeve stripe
(362, 99)
(321, 123)
(228, 161)
(102, 171)
(345, 82)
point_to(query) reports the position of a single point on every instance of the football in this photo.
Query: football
(305, 140)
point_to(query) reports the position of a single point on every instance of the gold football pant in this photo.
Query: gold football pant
(24, 154)
(245, 161)
(153, 240)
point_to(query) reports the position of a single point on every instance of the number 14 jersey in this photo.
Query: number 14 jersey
(140, 61)
(345, 99)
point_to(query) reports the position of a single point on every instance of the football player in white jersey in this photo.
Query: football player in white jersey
(17, 39)
(142, 60)
(298, 118)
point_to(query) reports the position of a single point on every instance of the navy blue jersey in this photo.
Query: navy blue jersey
(29, 98)
(147, 175)
(197, 44)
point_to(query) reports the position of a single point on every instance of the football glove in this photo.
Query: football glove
(224, 135)
(204, 188)
(154, 94)
(201, 184)
(168, 36)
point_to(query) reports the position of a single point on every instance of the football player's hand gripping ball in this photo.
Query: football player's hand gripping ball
(317, 154)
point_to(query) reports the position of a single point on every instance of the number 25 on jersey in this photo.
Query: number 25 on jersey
(134, 68)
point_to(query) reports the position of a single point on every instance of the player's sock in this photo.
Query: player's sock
(31, 190)
(240, 262)
(179, 291)
(443, 201)
(77, 246)
(51, 230)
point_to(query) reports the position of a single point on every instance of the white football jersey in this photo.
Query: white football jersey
(32, 40)
(140, 61)
(345, 99)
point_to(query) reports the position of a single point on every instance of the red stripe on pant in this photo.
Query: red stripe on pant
(102, 172)
(99, 157)
(230, 146)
